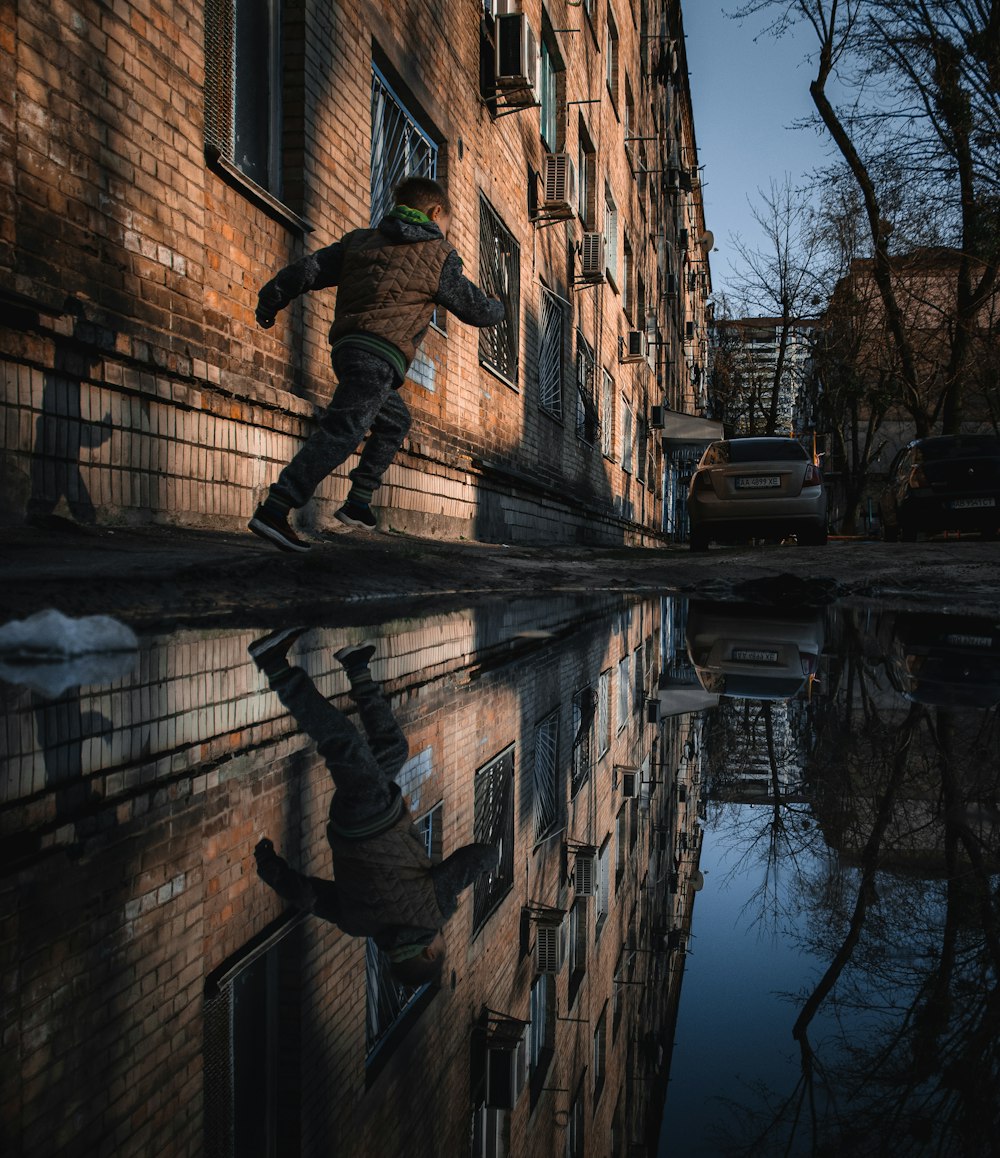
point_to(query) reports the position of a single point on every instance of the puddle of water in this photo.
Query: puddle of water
(741, 896)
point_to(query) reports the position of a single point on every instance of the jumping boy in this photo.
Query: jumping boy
(390, 280)
(385, 887)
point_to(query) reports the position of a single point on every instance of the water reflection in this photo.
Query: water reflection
(197, 961)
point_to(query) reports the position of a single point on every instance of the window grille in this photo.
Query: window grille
(386, 999)
(401, 146)
(546, 773)
(587, 420)
(604, 713)
(500, 277)
(607, 415)
(550, 356)
(493, 823)
(243, 87)
(584, 708)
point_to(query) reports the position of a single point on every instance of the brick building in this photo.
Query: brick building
(159, 162)
(159, 999)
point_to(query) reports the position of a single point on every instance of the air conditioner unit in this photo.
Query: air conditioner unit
(657, 417)
(632, 347)
(559, 183)
(548, 948)
(585, 873)
(653, 704)
(592, 257)
(629, 784)
(517, 59)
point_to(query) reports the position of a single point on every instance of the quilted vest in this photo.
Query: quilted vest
(385, 880)
(387, 288)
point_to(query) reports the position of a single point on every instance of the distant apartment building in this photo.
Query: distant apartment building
(159, 166)
(162, 1000)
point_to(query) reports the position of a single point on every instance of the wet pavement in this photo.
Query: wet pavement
(743, 895)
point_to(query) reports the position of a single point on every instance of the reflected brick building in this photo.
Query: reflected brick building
(159, 999)
(160, 163)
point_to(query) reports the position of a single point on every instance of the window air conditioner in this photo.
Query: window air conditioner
(592, 257)
(585, 873)
(632, 347)
(657, 417)
(559, 179)
(517, 59)
(548, 948)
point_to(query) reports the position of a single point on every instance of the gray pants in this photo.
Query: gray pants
(364, 769)
(366, 399)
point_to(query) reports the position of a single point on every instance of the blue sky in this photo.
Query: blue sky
(746, 95)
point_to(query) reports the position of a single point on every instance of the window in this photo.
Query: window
(630, 125)
(604, 713)
(574, 1125)
(549, 98)
(401, 146)
(252, 1043)
(541, 1039)
(430, 827)
(587, 422)
(638, 682)
(611, 58)
(624, 692)
(627, 425)
(490, 1130)
(586, 178)
(386, 1000)
(243, 87)
(621, 840)
(493, 823)
(610, 235)
(607, 416)
(550, 355)
(626, 286)
(546, 775)
(584, 709)
(600, 1045)
(577, 946)
(602, 907)
(500, 277)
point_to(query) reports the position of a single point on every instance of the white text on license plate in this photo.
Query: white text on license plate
(755, 481)
(754, 655)
(965, 504)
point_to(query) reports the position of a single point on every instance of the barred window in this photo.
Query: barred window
(587, 421)
(401, 146)
(500, 277)
(550, 355)
(493, 823)
(386, 1000)
(546, 775)
(607, 416)
(584, 712)
(243, 83)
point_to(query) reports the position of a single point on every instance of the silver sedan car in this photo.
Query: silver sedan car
(756, 488)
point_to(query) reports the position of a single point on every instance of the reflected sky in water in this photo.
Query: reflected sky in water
(691, 877)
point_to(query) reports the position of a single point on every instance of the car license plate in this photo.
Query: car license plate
(965, 504)
(757, 481)
(754, 655)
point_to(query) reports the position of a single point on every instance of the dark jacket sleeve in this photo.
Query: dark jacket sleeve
(459, 871)
(318, 270)
(464, 298)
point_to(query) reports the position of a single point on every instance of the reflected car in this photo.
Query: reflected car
(752, 652)
(945, 661)
(745, 488)
(950, 482)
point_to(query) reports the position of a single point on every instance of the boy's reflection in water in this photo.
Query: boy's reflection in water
(386, 886)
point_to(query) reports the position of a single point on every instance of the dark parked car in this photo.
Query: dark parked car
(756, 488)
(950, 482)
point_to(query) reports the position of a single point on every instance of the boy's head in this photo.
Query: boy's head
(428, 196)
(426, 967)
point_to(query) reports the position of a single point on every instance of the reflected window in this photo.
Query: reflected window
(493, 823)
(604, 713)
(549, 97)
(603, 893)
(587, 421)
(541, 1047)
(584, 707)
(624, 692)
(574, 1128)
(252, 1045)
(600, 1050)
(621, 839)
(500, 277)
(550, 355)
(545, 776)
(577, 946)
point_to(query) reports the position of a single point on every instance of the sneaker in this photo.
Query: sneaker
(356, 656)
(269, 651)
(275, 529)
(354, 516)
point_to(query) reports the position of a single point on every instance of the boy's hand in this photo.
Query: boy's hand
(268, 861)
(265, 321)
